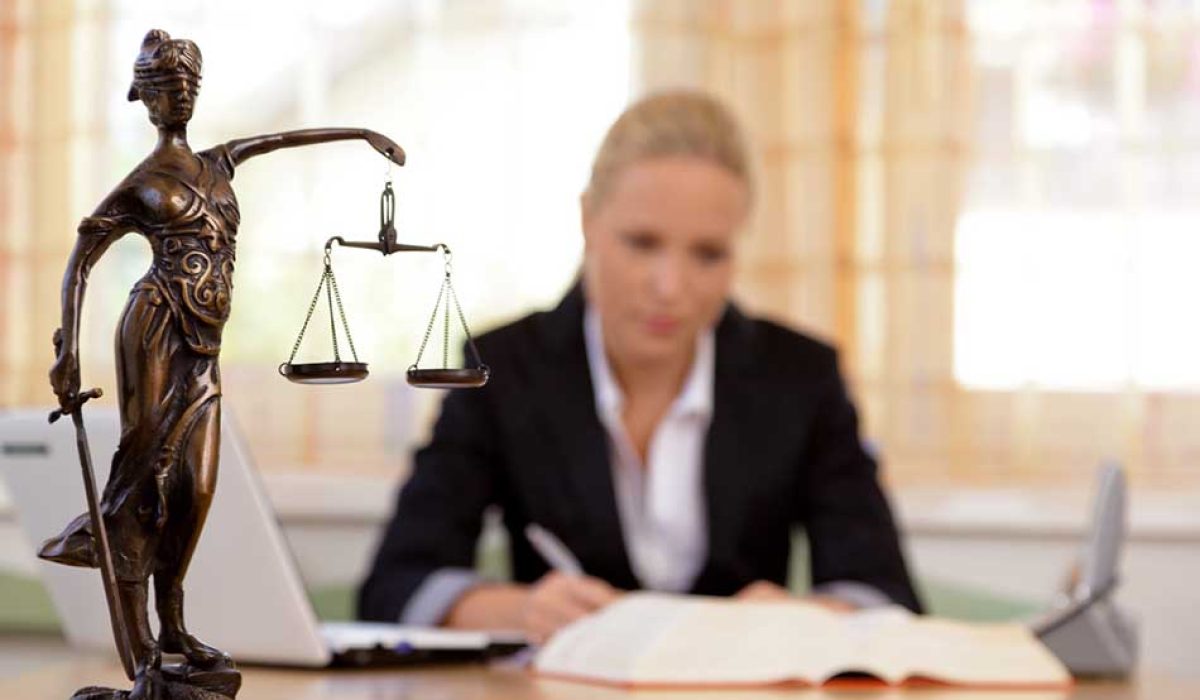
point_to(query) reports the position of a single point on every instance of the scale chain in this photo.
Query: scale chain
(311, 308)
(332, 293)
(463, 320)
(432, 319)
(337, 356)
(447, 258)
(446, 326)
(341, 312)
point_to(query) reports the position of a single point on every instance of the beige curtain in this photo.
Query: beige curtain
(778, 66)
(866, 118)
(499, 137)
(35, 193)
(911, 192)
(857, 114)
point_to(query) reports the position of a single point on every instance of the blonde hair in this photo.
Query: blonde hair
(673, 123)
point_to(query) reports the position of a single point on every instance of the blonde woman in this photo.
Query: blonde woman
(668, 440)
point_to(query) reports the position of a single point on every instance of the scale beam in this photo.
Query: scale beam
(384, 246)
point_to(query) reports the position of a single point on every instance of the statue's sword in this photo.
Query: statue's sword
(107, 572)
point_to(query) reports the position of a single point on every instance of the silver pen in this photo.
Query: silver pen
(553, 550)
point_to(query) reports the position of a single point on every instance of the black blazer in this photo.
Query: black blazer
(782, 451)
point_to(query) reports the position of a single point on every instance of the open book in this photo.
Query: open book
(653, 639)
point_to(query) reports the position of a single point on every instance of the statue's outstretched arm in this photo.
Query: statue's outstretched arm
(249, 147)
(96, 234)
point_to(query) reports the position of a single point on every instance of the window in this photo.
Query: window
(498, 104)
(1078, 245)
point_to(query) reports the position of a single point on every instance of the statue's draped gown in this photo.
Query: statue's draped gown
(168, 380)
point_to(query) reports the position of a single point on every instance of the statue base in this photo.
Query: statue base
(175, 682)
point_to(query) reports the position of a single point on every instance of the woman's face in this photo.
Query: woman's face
(658, 252)
(170, 103)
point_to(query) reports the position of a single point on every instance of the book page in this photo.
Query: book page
(653, 638)
(966, 654)
(657, 639)
(745, 642)
(607, 646)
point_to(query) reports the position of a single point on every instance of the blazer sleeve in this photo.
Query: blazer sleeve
(439, 510)
(852, 535)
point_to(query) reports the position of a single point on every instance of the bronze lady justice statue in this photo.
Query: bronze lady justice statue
(167, 345)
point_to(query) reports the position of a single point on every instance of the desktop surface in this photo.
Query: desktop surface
(59, 679)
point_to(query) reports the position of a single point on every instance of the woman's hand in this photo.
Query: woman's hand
(389, 148)
(557, 600)
(765, 590)
(539, 610)
(830, 603)
(64, 373)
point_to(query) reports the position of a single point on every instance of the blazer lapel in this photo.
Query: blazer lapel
(570, 409)
(733, 422)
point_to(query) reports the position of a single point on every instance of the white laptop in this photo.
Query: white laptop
(243, 591)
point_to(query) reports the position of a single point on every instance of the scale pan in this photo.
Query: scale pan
(468, 378)
(325, 372)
